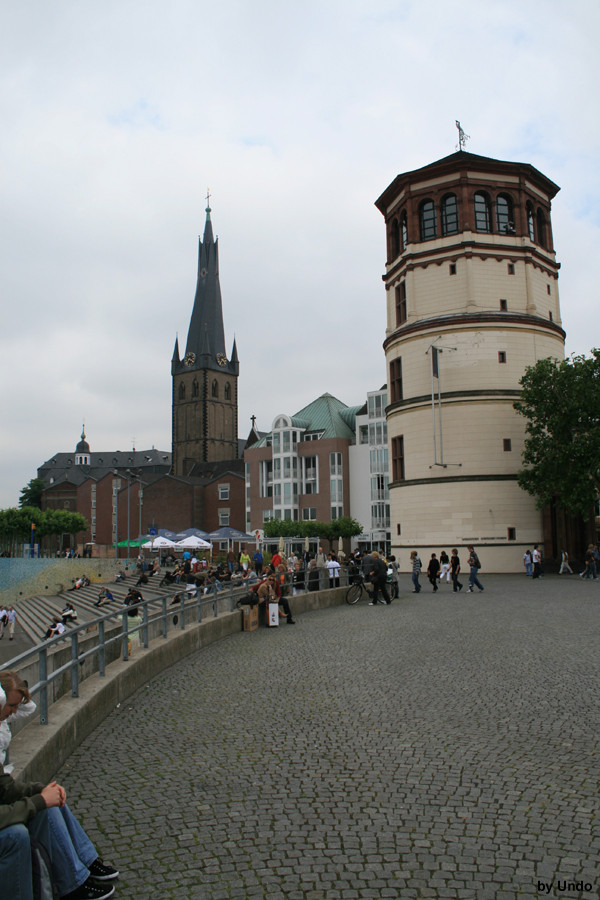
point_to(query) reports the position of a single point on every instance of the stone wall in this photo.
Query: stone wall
(38, 577)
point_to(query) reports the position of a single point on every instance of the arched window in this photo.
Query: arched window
(394, 239)
(504, 214)
(195, 389)
(215, 388)
(228, 391)
(427, 220)
(182, 391)
(530, 225)
(483, 217)
(404, 230)
(541, 228)
(449, 214)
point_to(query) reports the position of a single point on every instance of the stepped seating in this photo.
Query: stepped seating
(36, 613)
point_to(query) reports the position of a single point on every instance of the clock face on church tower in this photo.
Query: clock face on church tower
(221, 359)
(189, 359)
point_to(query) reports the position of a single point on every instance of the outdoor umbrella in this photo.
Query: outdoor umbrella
(194, 543)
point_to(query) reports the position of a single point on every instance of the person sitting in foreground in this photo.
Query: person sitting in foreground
(41, 811)
(270, 592)
(55, 628)
(104, 596)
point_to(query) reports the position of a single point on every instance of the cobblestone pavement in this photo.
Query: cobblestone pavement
(445, 746)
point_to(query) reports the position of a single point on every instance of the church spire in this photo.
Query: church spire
(206, 332)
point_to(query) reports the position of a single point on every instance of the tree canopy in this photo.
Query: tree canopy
(561, 457)
(344, 527)
(15, 524)
(31, 494)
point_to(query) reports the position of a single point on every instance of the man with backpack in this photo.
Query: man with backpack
(34, 814)
(474, 567)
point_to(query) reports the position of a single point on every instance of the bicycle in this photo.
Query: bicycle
(357, 589)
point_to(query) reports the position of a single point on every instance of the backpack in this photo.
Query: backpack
(44, 887)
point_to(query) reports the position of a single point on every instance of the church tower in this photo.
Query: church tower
(472, 299)
(205, 381)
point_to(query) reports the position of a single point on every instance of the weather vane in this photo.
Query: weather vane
(462, 137)
(208, 198)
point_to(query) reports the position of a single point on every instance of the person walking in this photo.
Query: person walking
(564, 564)
(454, 570)
(432, 571)
(444, 567)
(12, 621)
(416, 571)
(537, 562)
(474, 567)
(378, 576)
(528, 562)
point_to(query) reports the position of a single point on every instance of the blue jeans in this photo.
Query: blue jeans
(473, 579)
(69, 848)
(415, 581)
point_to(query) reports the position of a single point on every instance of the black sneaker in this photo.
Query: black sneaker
(101, 872)
(91, 890)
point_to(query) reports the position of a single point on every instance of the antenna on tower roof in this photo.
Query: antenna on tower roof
(462, 136)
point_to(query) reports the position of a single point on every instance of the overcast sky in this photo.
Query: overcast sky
(117, 115)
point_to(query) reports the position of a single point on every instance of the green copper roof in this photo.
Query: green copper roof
(325, 414)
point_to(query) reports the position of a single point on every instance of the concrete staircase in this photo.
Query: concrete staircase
(36, 613)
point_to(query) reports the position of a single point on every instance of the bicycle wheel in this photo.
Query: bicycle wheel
(354, 593)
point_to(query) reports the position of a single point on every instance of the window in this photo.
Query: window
(541, 228)
(398, 458)
(195, 389)
(530, 225)
(427, 220)
(453, 268)
(501, 356)
(398, 528)
(363, 434)
(483, 218)
(550, 315)
(182, 391)
(401, 303)
(504, 305)
(450, 214)
(548, 289)
(215, 388)
(511, 268)
(394, 239)
(504, 214)
(511, 534)
(223, 492)
(224, 517)
(227, 391)
(507, 444)
(379, 487)
(404, 230)
(335, 463)
(309, 513)
(396, 380)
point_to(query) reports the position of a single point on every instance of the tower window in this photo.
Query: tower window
(394, 239)
(530, 225)
(548, 289)
(450, 214)
(396, 380)
(227, 391)
(453, 268)
(504, 305)
(550, 315)
(511, 268)
(483, 218)
(427, 220)
(501, 356)
(182, 391)
(504, 214)
(195, 389)
(541, 228)
(215, 388)
(511, 534)
(404, 230)
(398, 458)
(401, 303)
(507, 445)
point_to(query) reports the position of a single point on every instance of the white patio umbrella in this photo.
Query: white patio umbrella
(159, 543)
(194, 543)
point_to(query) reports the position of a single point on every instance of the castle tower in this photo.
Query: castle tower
(472, 299)
(205, 381)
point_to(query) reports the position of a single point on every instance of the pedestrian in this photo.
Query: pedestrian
(3, 619)
(334, 571)
(444, 567)
(257, 559)
(537, 562)
(564, 564)
(416, 571)
(433, 570)
(12, 621)
(474, 567)
(455, 569)
(378, 575)
(528, 562)
(395, 580)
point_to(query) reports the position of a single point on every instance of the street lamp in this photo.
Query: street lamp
(116, 485)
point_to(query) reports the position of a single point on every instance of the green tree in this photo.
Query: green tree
(561, 456)
(31, 494)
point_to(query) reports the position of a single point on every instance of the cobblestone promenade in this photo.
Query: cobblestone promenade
(445, 746)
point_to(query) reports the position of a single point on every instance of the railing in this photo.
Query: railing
(90, 654)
